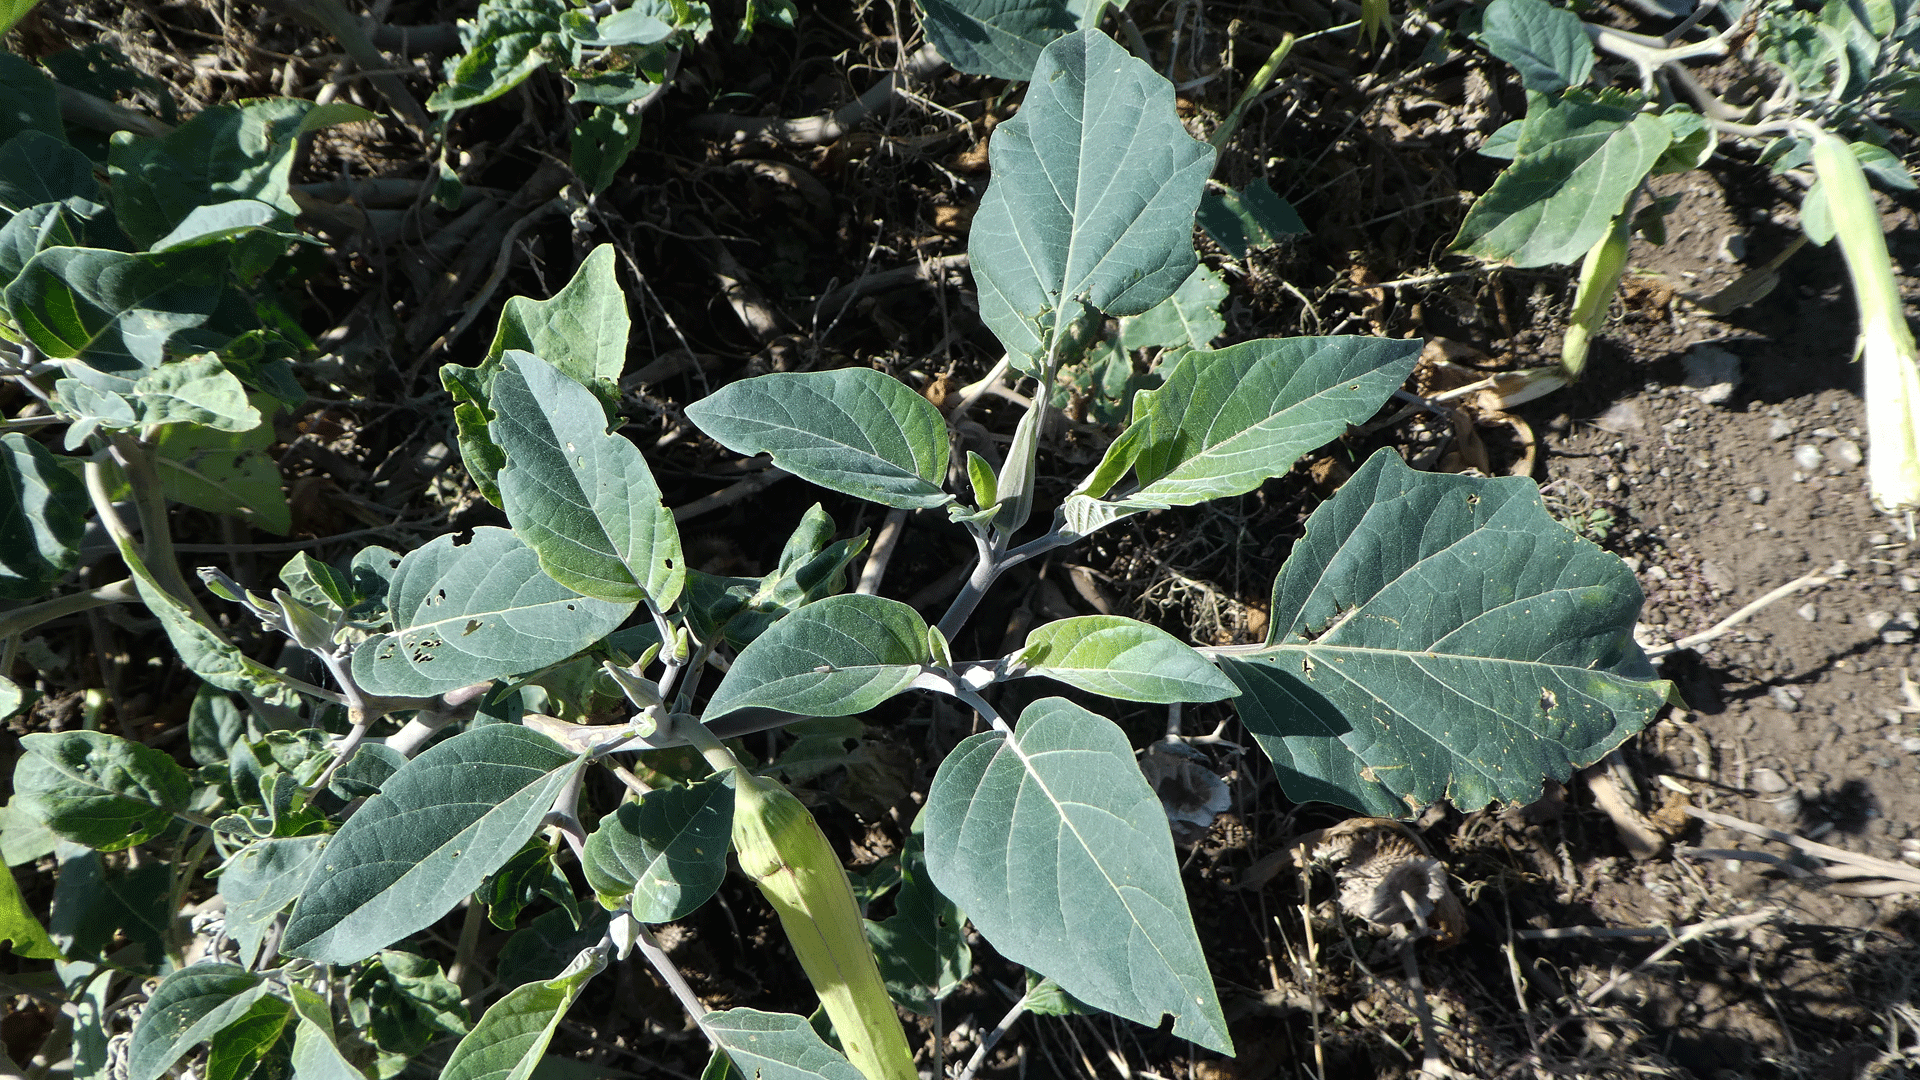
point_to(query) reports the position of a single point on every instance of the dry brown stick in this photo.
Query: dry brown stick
(477, 255)
(1721, 628)
(1874, 866)
(731, 494)
(329, 16)
(930, 270)
(812, 130)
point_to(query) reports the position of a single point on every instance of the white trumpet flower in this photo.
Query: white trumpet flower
(1886, 342)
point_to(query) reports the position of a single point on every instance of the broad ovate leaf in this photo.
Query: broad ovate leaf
(664, 855)
(1576, 164)
(1442, 637)
(1001, 38)
(468, 613)
(509, 1040)
(853, 430)
(922, 947)
(1121, 658)
(226, 472)
(582, 498)
(190, 1006)
(835, 657)
(42, 518)
(97, 789)
(1227, 420)
(1058, 851)
(776, 1046)
(112, 311)
(260, 880)
(1546, 44)
(438, 827)
(37, 168)
(1094, 188)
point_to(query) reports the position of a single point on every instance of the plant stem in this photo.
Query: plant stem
(669, 973)
(20, 620)
(1261, 80)
(993, 1038)
(138, 458)
(985, 569)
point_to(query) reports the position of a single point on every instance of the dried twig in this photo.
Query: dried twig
(1725, 625)
(812, 130)
(1853, 865)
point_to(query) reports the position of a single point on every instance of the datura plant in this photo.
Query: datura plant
(1577, 186)
(426, 742)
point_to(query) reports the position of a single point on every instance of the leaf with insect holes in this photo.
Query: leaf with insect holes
(467, 613)
(1442, 637)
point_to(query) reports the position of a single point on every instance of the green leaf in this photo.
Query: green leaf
(1442, 637)
(777, 1046)
(24, 935)
(835, 657)
(220, 221)
(922, 948)
(1094, 188)
(97, 789)
(633, 26)
(468, 613)
(507, 41)
(32, 231)
(201, 648)
(233, 1052)
(812, 565)
(1120, 658)
(12, 11)
(225, 472)
(225, 153)
(43, 510)
(36, 168)
(1227, 420)
(316, 1056)
(199, 390)
(28, 100)
(23, 836)
(1001, 38)
(113, 311)
(189, 1007)
(1561, 195)
(1251, 217)
(1190, 317)
(852, 430)
(666, 854)
(1548, 46)
(508, 1041)
(1058, 851)
(601, 143)
(582, 498)
(544, 947)
(582, 330)
(260, 880)
(438, 827)
(407, 1002)
(99, 910)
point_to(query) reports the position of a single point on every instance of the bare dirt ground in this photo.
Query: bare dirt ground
(1800, 720)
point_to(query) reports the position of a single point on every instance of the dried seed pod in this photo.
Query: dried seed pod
(1387, 877)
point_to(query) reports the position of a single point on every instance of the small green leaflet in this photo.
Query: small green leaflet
(1442, 637)
(508, 1041)
(316, 1056)
(1001, 38)
(225, 472)
(835, 657)
(1547, 45)
(1058, 851)
(43, 511)
(1094, 188)
(1229, 419)
(664, 855)
(468, 613)
(582, 498)
(853, 430)
(98, 789)
(1190, 317)
(438, 827)
(1120, 658)
(776, 1046)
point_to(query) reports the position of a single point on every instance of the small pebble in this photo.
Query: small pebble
(1657, 572)
(1897, 637)
(1781, 699)
(1757, 496)
(1808, 456)
(1613, 482)
(1878, 539)
(1809, 612)
(1910, 745)
(1848, 452)
(1781, 428)
(1768, 782)
(1824, 433)
(1878, 620)
(1909, 583)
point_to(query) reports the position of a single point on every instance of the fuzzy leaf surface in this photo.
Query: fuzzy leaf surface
(97, 789)
(438, 827)
(1121, 658)
(852, 430)
(111, 310)
(1094, 188)
(1001, 38)
(1442, 637)
(467, 613)
(1190, 317)
(921, 948)
(37, 168)
(666, 854)
(225, 472)
(1547, 45)
(1227, 420)
(777, 1046)
(260, 880)
(1058, 851)
(582, 498)
(189, 1007)
(835, 657)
